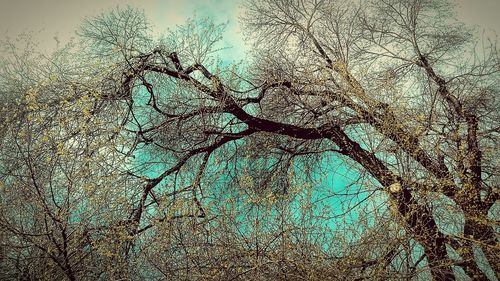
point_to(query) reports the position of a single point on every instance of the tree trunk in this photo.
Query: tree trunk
(438, 261)
(486, 238)
(423, 228)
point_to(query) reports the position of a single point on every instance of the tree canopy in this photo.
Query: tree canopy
(358, 142)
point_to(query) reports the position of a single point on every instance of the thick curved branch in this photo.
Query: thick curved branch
(380, 120)
(421, 223)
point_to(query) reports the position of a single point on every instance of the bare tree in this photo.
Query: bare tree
(417, 105)
(149, 159)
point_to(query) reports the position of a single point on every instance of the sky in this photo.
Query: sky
(60, 18)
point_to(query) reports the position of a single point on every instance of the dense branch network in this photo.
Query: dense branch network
(161, 161)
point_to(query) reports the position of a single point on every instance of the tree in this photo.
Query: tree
(396, 69)
(129, 157)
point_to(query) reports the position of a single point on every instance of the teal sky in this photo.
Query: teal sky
(59, 18)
